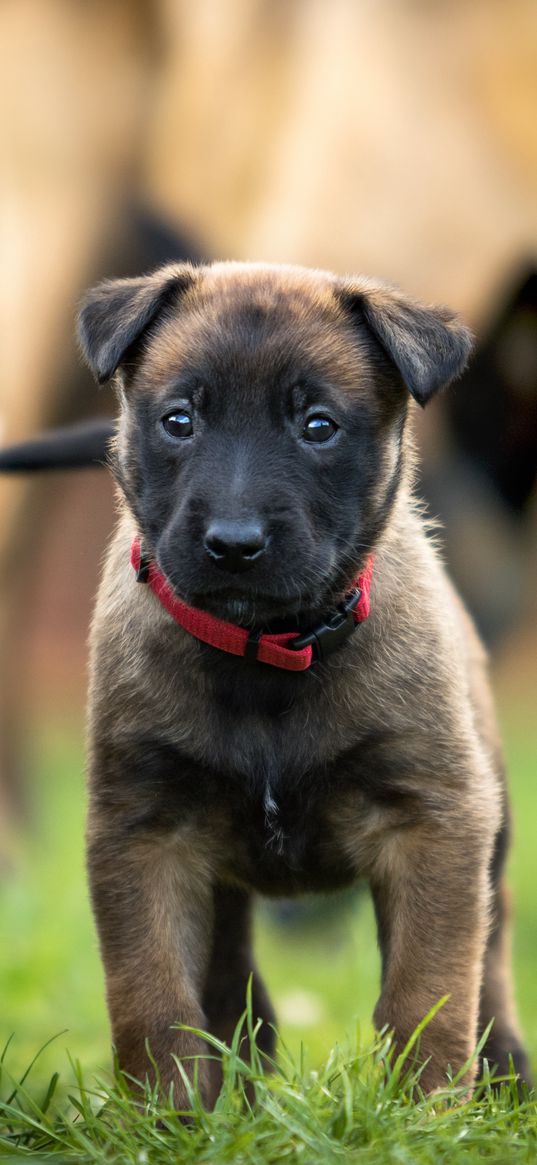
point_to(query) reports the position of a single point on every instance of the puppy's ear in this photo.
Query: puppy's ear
(429, 345)
(116, 313)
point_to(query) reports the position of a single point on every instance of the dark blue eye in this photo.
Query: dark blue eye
(178, 424)
(319, 428)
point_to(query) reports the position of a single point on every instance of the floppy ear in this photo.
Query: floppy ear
(429, 345)
(115, 314)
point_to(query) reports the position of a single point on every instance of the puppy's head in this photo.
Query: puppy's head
(262, 413)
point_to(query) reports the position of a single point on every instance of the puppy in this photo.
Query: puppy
(286, 694)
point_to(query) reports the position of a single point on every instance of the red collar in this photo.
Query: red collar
(276, 650)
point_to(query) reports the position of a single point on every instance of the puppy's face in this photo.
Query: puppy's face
(260, 444)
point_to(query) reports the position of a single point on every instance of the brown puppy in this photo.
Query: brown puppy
(263, 455)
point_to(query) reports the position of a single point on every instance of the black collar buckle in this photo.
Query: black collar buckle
(326, 637)
(142, 574)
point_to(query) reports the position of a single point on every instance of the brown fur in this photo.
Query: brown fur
(390, 750)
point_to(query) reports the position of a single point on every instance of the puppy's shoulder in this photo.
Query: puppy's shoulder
(420, 650)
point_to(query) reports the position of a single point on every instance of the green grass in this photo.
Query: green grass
(358, 1106)
(322, 1104)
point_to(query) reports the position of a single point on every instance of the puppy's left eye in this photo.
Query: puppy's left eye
(178, 424)
(319, 428)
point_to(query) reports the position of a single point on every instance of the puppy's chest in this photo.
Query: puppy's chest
(268, 724)
(249, 780)
(271, 787)
(259, 772)
(272, 782)
(281, 840)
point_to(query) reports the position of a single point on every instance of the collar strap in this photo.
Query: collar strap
(288, 650)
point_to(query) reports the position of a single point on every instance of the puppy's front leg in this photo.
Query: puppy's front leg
(153, 906)
(430, 888)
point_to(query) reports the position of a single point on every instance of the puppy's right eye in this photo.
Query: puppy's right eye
(178, 424)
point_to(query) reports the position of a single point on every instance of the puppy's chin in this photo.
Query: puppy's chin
(247, 610)
(242, 603)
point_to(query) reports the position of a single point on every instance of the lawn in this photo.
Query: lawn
(329, 1100)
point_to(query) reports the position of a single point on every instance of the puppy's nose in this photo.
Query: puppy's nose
(235, 546)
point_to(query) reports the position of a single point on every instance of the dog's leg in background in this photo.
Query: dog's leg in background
(153, 905)
(431, 899)
(497, 1001)
(231, 964)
